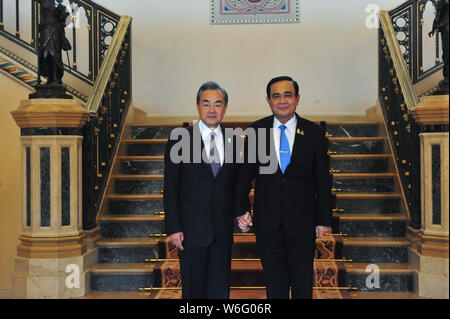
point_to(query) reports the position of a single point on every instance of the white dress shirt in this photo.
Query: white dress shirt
(291, 127)
(206, 137)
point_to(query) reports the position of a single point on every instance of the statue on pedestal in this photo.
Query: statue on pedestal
(440, 24)
(52, 40)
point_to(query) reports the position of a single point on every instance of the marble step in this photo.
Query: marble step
(351, 163)
(350, 182)
(139, 147)
(358, 203)
(384, 295)
(244, 273)
(336, 145)
(251, 294)
(234, 294)
(127, 250)
(121, 276)
(244, 246)
(137, 249)
(375, 249)
(139, 184)
(345, 203)
(363, 182)
(131, 225)
(247, 273)
(353, 130)
(360, 163)
(356, 145)
(392, 276)
(132, 294)
(142, 131)
(135, 204)
(354, 182)
(373, 225)
(142, 164)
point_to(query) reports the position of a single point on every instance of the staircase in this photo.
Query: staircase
(368, 213)
(137, 196)
(368, 205)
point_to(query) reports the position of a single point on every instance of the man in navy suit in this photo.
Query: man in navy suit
(199, 199)
(293, 205)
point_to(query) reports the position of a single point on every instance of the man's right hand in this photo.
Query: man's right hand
(245, 221)
(177, 240)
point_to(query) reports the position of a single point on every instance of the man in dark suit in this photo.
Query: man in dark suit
(199, 197)
(293, 205)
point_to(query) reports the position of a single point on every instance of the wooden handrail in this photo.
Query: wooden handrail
(401, 70)
(108, 64)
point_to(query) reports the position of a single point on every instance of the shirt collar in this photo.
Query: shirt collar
(206, 131)
(291, 124)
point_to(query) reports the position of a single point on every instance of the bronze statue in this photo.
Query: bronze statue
(440, 24)
(52, 41)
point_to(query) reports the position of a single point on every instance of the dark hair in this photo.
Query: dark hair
(279, 79)
(210, 85)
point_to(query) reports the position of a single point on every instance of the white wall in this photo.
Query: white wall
(331, 53)
(12, 92)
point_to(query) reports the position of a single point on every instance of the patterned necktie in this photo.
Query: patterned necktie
(285, 152)
(214, 158)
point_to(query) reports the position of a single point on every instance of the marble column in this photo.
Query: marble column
(429, 254)
(52, 260)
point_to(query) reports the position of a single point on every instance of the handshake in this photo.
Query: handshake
(245, 222)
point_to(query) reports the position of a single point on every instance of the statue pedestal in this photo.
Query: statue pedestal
(53, 91)
(52, 261)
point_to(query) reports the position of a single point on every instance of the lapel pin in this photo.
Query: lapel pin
(300, 132)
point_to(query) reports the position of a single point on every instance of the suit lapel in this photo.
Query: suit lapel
(297, 141)
(298, 137)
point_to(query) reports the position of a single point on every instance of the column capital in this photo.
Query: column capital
(431, 110)
(50, 113)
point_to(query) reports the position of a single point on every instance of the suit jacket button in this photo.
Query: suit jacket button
(283, 180)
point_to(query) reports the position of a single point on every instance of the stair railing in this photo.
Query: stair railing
(411, 23)
(396, 96)
(90, 27)
(108, 106)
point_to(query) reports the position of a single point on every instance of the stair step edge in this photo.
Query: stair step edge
(372, 217)
(363, 175)
(368, 195)
(131, 218)
(145, 141)
(128, 242)
(139, 176)
(141, 157)
(375, 241)
(122, 268)
(135, 196)
(384, 268)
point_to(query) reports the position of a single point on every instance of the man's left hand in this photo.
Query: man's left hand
(322, 230)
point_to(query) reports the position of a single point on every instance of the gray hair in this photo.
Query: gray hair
(210, 85)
